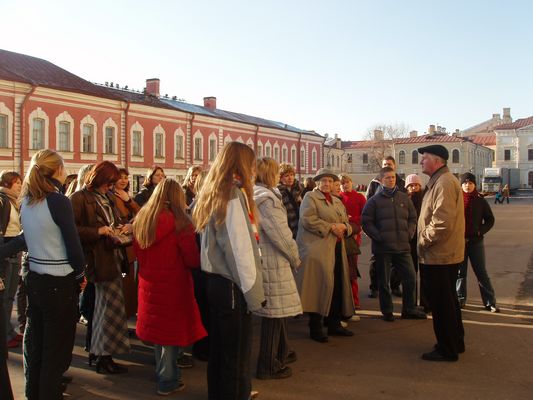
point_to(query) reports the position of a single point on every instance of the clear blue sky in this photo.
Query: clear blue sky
(332, 66)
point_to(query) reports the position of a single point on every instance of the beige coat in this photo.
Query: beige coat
(317, 251)
(441, 225)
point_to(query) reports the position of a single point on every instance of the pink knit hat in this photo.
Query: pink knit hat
(413, 178)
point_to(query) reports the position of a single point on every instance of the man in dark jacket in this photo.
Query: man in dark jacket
(373, 187)
(389, 219)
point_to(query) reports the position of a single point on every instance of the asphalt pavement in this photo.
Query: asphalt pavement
(382, 360)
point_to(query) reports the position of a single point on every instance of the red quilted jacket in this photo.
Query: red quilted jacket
(168, 313)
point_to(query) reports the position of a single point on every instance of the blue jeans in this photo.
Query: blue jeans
(404, 265)
(166, 369)
(475, 251)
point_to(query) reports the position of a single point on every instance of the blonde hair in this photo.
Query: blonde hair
(167, 195)
(188, 176)
(234, 162)
(345, 177)
(267, 171)
(37, 184)
(286, 168)
(199, 182)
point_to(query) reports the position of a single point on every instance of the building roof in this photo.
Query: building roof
(484, 140)
(426, 139)
(362, 144)
(35, 71)
(519, 123)
(234, 116)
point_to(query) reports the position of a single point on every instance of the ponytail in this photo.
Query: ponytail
(37, 182)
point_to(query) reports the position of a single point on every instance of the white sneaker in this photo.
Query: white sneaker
(355, 318)
(344, 324)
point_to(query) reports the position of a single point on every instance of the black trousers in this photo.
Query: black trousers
(200, 349)
(274, 346)
(5, 384)
(49, 336)
(230, 344)
(439, 281)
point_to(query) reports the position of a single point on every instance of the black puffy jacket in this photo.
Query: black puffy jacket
(390, 222)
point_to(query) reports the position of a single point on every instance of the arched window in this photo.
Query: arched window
(455, 156)
(414, 157)
(401, 157)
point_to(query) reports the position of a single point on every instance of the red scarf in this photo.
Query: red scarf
(328, 197)
(469, 199)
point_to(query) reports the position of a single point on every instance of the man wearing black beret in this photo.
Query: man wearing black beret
(441, 246)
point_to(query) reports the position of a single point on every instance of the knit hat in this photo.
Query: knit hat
(468, 177)
(413, 178)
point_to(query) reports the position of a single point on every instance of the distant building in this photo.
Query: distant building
(334, 154)
(465, 154)
(44, 106)
(514, 148)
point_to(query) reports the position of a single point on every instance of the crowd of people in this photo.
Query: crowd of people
(194, 262)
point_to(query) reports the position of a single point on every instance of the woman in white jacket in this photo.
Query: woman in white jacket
(279, 254)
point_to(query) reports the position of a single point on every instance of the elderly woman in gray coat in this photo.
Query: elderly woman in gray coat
(324, 278)
(279, 255)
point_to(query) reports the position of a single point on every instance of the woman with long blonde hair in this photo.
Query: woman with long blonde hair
(56, 264)
(225, 215)
(166, 250)
(189, 183)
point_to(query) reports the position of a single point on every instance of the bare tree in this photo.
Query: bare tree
(381, 137)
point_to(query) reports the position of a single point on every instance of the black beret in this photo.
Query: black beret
(436, 149)
(468, 177)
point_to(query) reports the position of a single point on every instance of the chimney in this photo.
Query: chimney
(152, 87)
(507, 115)
(210, 102)
(432, 129)
(378, 135)
(496, 117)
(413, 134)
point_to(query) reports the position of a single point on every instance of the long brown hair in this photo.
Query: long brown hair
(235, 161)
(150, 174)
(37, 184)
(168, 195)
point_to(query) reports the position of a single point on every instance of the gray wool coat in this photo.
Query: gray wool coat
(279, 254)
(316, 243)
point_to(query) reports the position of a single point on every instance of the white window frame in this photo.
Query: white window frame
(137, 127)
(276, 152)
(268, 149)
(39, 113)
(284, 153)
(314, 159)
(198, 158)
(110, 123)
(459, 156)
(212, 149)
(5, 111)
(65, 117)
(178, 133)
(293, 155)
(259, 150)
(401, 157)
(88, 120)
(302, 157)
(159, 131)
(228, 139)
